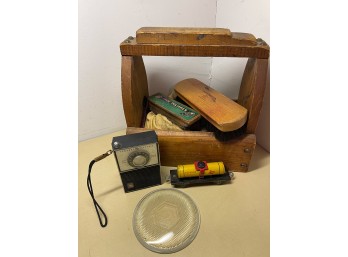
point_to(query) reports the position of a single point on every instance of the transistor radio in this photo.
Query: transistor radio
(138, 161)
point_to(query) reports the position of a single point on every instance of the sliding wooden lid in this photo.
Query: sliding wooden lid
(219, 110)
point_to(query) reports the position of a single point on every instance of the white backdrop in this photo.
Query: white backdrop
(104, 24)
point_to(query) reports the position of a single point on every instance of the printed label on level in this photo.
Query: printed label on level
(174, 107)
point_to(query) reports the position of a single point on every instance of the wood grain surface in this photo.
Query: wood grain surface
(192, 36)
(130, 47)
(134, 89)
(218, 109)
(187, 147)
(252, 90)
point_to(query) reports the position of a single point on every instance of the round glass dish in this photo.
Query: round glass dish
(166, 220)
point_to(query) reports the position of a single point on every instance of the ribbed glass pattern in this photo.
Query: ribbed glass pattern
(166, 220)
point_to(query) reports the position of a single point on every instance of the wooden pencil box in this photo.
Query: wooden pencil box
(189, 146)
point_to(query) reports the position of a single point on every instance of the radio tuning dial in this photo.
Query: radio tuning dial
(138, 158)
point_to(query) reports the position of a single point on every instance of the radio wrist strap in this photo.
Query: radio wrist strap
(98, 209)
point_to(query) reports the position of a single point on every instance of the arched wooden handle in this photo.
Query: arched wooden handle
(193, 36)
(204, 42)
